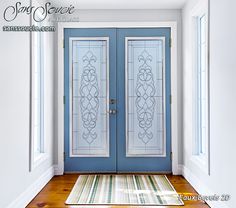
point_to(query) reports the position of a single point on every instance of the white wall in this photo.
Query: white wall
(15, 177)
(139, 16)
(222, 102)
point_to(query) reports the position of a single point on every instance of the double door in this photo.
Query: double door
(117, 110)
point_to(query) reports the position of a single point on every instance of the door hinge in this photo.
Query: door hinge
(64, 156)
(171, 156)
(170, 42)
(170, 99)
(63, 44)
(64, 99)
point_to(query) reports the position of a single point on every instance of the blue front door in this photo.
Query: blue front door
(117, 110)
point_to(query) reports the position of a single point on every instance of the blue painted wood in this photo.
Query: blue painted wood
(140, 164)
(91, 164)
(117, 162)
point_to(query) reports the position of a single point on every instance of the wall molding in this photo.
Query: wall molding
(26, 197)
(200, 187)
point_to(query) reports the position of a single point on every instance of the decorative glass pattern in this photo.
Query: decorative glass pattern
(89, 101)
(90, 121)
(145, 112)
(145, 101)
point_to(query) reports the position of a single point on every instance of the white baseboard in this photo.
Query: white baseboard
(176, 170)
(58, 170)
(200, 187)
(180, 169)
(25, 198)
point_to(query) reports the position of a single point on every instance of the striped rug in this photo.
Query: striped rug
(123, 190)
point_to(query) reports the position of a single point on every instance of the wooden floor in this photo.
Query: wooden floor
(57, 190)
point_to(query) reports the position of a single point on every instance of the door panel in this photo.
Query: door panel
(91, 130)
(143, 86)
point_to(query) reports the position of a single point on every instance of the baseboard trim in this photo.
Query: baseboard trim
(26, 197)
(200, 187)
(180, 169)
(58, 170)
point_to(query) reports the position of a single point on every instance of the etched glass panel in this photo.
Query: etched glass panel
(145, 112)
(89, 90)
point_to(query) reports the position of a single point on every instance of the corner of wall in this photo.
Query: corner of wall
(25, 197)
(200, 187)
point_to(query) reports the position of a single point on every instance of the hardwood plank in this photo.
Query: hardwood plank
(55, 193)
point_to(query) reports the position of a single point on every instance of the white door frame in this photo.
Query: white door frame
(59, 168)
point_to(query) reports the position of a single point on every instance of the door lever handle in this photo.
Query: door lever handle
(112, 111)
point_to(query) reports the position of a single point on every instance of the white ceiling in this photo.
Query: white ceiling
(121, 4)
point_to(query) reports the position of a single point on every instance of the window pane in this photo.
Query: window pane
(37, 101)
(203, 28)
(202, 84)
